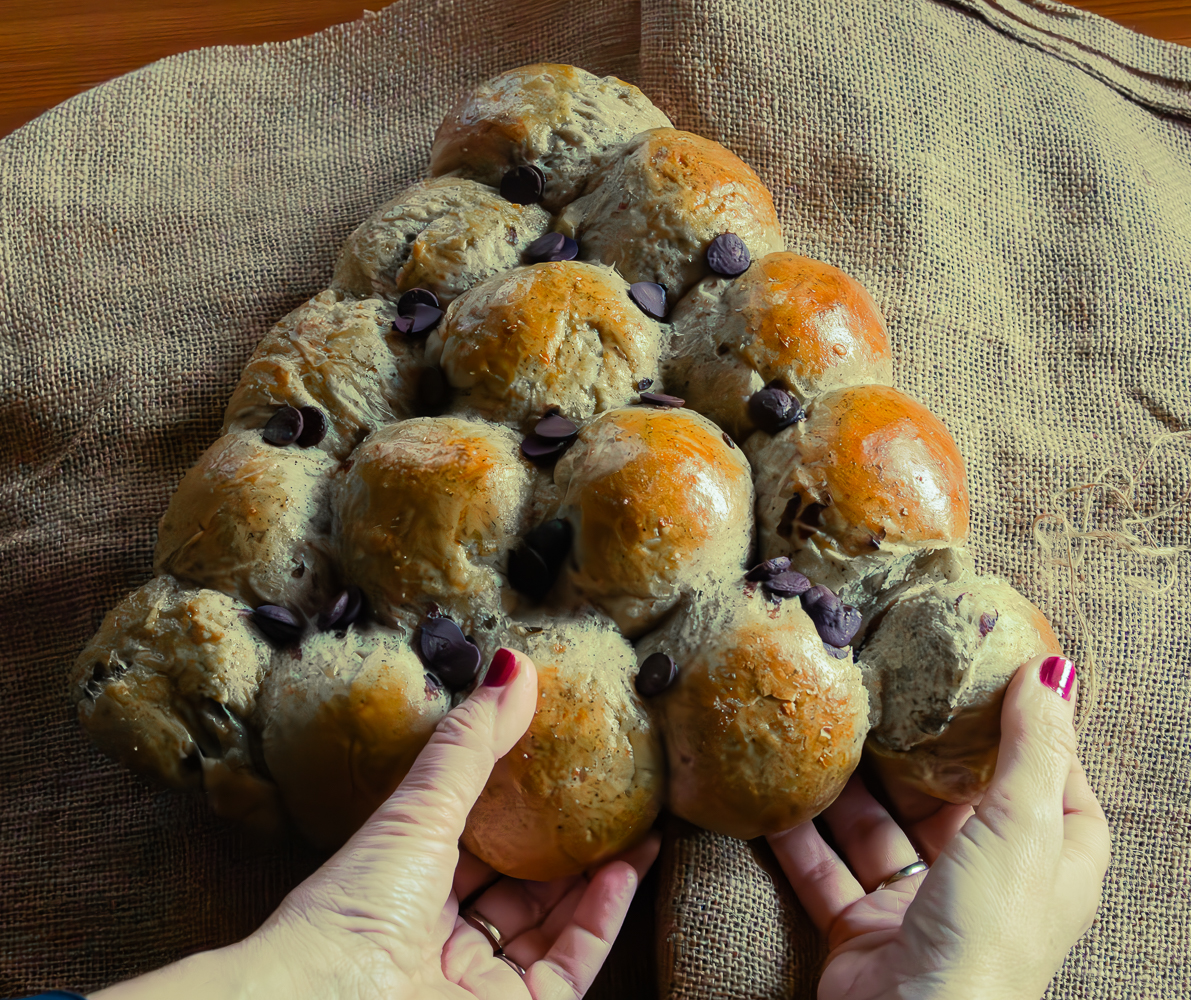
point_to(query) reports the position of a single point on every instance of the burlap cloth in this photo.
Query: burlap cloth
(1012, 184)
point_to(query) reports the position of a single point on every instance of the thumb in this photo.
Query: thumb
(1034, 759)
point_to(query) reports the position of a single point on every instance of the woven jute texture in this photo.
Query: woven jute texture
(1011, 181)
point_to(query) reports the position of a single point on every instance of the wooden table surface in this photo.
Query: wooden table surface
(53, 49)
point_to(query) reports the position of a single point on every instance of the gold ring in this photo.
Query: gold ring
(485, 927)
(911, 869)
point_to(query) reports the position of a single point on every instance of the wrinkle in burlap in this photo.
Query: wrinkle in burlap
(1011, 181)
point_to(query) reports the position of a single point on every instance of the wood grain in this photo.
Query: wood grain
(53, 49)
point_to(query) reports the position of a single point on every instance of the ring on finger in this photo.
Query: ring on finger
(911, 869)
(474, 918)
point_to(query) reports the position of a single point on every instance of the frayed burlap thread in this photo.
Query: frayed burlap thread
(1011, 181)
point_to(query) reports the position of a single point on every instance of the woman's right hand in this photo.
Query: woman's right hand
(1013, 884)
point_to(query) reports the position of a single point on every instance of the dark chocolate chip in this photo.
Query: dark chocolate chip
(432, 389)
(528, 573)
(768, 569)
(836, 651)
(727, 255)
(987, 624)
(650, 298)
(790, 583)
(656, 674)
(644, 384)
(552, 541)
(555, 427)
(279, 625)
(448, 653)
(314, 427)
(661, 399)
(773, 409)
(344, 612)
(416, 297)
(420, 321)
(284, 427)
(543, 451)
(523, 185)
(552, 247)
(728, 441)
(329, 619)
(836, 622)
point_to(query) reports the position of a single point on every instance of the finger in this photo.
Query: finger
(935, 832)
(471, 875)
(872, 844)
(907, 803)
(1024, 801)
(537, 941)
(1087, 844)
(432, 803)
(514, 906)
(822, 882)
(467, 960)
(571, 965)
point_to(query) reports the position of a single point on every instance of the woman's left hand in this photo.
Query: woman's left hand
(381, 918)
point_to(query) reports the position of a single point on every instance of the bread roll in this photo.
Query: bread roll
(870, 473)
(788, 319)
(445, 235)
(164, 687)
(339, 355)
(252, 520)
(940, 656)
(653, 208)
(558, 118)
(342, 718)
(762, 726)
(587, 779)
(559, 335)
(426, 515)
(660, 506)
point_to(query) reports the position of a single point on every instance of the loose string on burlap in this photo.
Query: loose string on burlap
(1055, 530)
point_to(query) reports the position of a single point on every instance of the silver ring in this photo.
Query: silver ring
(911, 869)
(510, 963)
(485, 927)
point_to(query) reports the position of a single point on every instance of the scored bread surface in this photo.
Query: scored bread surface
(503, 463)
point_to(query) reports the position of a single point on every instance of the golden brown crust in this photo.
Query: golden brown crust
(426, 511)
(869, 469)
(343, 720)
(562, 334)
(586, 781)
(762, 727)
(659, 503)
(788, 319)
(653, 209)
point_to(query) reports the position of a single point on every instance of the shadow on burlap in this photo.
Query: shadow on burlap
(1012, 184)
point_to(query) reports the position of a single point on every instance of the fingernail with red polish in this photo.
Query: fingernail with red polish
(1057, 673)
(502, 668)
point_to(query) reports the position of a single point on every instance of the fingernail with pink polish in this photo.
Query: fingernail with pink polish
(502, 668)
(1058, 674)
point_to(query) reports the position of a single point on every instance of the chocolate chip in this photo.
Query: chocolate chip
(836, 622)
(644, 384)
(650, 298)
(448, 653)
(987, 623)
(544, 451)
(727, 255)
(523, 185)
(773, 409)
(279, 625)
(344, 612)
(788, 584)
(555, 427)
(432, 389)
(416, 297)
(284, 427)
(836, 651)
(534, 565)
(314, 427)
(552, 540)
(552, 247)
(768, 569)
(728, 441)
(661, 399)
(656, 674)
(419, 322)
